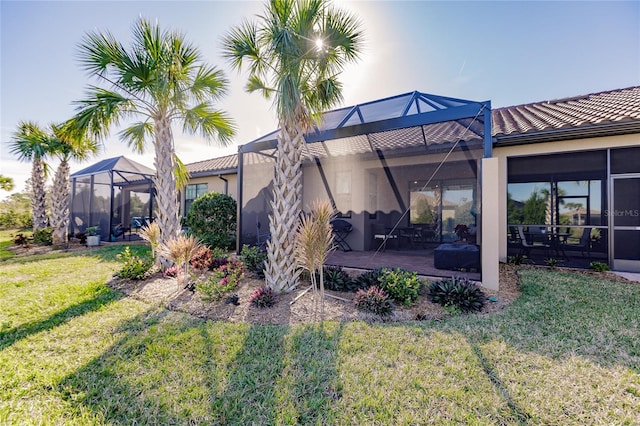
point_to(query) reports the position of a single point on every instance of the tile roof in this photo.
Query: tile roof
(598, 110)
(604, 113)
(220, 164)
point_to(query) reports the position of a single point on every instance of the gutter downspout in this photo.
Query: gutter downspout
(226, 185)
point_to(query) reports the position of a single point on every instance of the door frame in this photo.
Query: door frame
(619, 264)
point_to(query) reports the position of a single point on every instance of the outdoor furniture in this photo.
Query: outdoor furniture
(584, 244)
(457, 256)
(119, 230)
(532, 241)
(341, 229)
(380, 232)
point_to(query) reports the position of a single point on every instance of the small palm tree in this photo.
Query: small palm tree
(294, 51)
(180, 250)
(30, 143)
(66, 143)
(151, 234)
(314, 242)
(162, 80)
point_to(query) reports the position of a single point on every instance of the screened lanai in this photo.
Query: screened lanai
(115, 194)
(403, 172)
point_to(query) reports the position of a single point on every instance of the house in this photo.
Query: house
(214, 175)
(420, 165)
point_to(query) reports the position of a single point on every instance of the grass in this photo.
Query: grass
(73, 351)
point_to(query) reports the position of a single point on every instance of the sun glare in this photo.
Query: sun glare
(319, 44)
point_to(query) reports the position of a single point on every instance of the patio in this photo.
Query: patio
(420, 261)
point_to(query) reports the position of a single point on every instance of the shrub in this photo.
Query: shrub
(43, 236)
(201, 259)
(518, 259)
(134, 267)
(598, 266)
(263, 297)
(337, 280)
(552, 262)
(218, 262)
(212, 219)
(368, 279)
(254, 259)
(223, 280)
(171, 272)
(459, 292)
(374, 300)
(21, 240)
(402, 286)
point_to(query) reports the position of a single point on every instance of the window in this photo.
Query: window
(191, 193)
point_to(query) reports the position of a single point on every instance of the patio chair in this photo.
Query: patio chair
(584, 244)
(529, 244)
(341, 229)
(514, 237)
(119, 230)
(380, 232)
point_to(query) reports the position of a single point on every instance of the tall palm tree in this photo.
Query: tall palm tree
(67, 142)
(31, 143)
(161, 79)
(295, 51)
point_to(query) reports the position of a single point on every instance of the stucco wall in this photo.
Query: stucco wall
(214, 184)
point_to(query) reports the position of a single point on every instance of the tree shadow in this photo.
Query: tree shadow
(169, 368)
(250, 395)
(313, 361)
(11, 336)
(118, 386)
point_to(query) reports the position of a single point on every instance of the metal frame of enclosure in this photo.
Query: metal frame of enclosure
(408, 162)
(111, 193)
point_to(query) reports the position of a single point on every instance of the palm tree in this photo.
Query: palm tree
(6, 183)
(66, 143)
(31, 143)
(294, 51)
(162, 80)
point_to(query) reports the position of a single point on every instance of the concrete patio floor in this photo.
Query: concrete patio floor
(419, 261)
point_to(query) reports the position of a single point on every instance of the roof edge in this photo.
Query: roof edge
(570, 133)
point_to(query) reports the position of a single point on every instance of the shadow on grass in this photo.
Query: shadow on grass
(562, 315)
(250, 395)
(103, 298)
(179, 370)
(518, 415)
(315, 386)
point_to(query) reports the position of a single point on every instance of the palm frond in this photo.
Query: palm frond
(210, 123)
(137, 134)
(100, 110)
(181, 173)
(29, 142)
(241, 44)
(208, 83)
(97, 52)
(256, 84)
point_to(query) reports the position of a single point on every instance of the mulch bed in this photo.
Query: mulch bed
(165, 291)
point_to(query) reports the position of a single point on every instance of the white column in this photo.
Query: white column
(490, 223)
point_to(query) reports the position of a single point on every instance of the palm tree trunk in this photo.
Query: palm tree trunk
(60, 205)
(165, 184)
(38, 202)
(281, 273)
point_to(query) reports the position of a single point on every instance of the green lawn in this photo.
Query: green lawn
(74, 352)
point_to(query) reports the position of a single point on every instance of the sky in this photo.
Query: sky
(508, 52)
